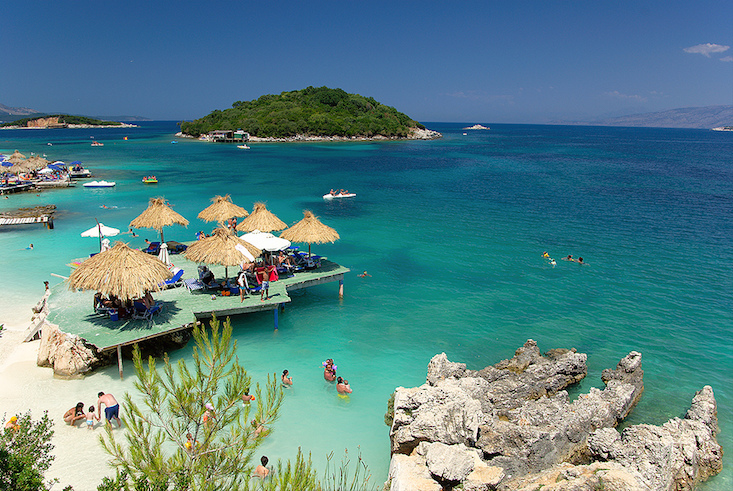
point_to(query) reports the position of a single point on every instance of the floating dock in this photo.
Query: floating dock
(27, 216)
(73, 311)
(17, 188)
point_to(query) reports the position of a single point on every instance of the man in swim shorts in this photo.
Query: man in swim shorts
(112, 409)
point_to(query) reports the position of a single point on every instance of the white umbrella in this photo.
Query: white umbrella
(244, 252)
(46, 170)
(163, 254)
(101, 230)
(266, 241)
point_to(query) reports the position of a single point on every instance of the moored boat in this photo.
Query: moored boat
(99, 184)
(339, 195)
(97, 144)
(76, 171)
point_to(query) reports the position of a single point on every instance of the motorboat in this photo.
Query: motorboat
(244, 147)
(150, 180)
(99, 184)
(79, 172)
(97, 144)
(339, 195)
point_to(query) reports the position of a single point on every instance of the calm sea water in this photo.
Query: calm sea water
(452, 233)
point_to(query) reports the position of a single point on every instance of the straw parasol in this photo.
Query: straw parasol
(261, 219)
(158, 215)
(220, 248)
(16, 158)
(35, 163)
(310, 230)
(222, 209)
(121, 271)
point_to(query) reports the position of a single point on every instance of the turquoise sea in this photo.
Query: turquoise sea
(451, 232)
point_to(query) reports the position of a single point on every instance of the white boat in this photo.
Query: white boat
(99, 184)
(339, 195)
(79, 172)
(245, 147)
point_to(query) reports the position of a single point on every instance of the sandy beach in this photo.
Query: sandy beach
(79, 458)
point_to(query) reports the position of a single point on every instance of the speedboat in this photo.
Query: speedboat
(99, 184)
(79, 172)
(97, 144)
(338, 195)
(245, 147)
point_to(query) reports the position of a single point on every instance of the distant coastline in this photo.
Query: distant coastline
(121, 125)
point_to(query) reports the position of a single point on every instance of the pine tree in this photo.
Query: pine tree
(158, 454)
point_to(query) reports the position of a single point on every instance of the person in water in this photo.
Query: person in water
(329, 370)
(569, 258)
(364, 275)
(287, 381)
(261, 470)
(342, 386)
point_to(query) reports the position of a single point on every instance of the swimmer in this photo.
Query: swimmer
(287, 381)
(364, 275)
(342, 386)
(247, 398)
(30, 247)
(552, 262)
(545, 254)
(569, 258)
(580, 261)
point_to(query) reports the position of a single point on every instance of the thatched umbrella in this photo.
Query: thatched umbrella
(121, 271)
(16, 158)
(310, 230)
(261, 219)
(158, 215)
(220, 248)
(35, 163)
(222, 209)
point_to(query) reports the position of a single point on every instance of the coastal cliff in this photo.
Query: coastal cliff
(511, 426)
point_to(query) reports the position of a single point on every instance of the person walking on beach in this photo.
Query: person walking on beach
(112, 409)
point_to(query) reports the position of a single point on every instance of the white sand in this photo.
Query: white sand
(80, 460)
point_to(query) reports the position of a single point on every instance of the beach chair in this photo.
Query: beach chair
(140, 311)
(192, 284)
(175, 281)
(153, 248)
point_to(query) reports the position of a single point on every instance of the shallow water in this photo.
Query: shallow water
(452, 232)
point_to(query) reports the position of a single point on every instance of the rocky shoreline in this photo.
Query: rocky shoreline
(415, 134)
(121, 125)
(511, 426)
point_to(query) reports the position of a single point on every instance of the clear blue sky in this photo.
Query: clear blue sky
(468, 61)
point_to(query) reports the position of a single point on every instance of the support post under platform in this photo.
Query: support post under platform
(341, 288)
(119, 359)
(277, 311)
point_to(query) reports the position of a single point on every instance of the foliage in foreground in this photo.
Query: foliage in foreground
(155, 456)
(174, 405)
(319, 111)
(25, 454)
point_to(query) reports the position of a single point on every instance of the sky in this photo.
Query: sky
(453, 61)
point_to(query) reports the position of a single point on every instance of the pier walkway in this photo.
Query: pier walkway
(72, 311)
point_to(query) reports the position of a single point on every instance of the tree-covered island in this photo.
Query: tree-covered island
(63, 121)
(311, 113)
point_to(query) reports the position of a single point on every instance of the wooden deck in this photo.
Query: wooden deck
(72, 311)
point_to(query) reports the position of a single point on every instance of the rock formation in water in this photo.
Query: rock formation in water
(67, 354)
(512, 426)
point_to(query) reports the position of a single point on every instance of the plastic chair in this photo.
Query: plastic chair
(175, 281)
(153, 248)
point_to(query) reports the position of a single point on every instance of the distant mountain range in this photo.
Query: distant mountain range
(687, 117)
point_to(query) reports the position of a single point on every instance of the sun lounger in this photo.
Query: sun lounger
(153, 248)
(193, 284)
(175, 281)
(140, 311)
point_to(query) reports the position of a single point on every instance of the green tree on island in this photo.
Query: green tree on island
(316, 111)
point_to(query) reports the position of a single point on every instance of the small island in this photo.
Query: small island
(63, 121)
(477, 127)
(310, 114)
